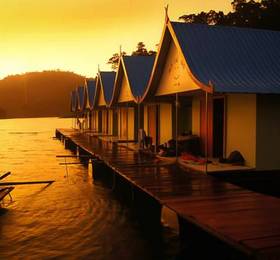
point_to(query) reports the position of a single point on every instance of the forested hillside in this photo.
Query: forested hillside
(37, 94)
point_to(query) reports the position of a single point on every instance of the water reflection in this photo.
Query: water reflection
(71, 218)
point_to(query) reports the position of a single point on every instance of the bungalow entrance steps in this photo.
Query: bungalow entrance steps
(214, 216)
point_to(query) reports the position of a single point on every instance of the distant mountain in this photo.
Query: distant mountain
(37, 94)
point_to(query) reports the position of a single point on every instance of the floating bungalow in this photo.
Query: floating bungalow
(88, 103)
(103, 116)
(131, 80)
(73, 105)
(220, 84)
(81, 99)
(224, 95)
(80, 107)
(210, 92)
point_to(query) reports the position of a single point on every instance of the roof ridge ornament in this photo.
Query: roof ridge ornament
(121, 54)
(166, 14)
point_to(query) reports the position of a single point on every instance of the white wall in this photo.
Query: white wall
(126, 120)
(241, 126)
(165, 121)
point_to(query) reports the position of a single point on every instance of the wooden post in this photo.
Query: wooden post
(95, 122)
(138, 123)
(127, 124)
(107, 126)
(90, 120)
(206, 141)
(176, 124)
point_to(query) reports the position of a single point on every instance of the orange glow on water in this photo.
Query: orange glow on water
(79, 35)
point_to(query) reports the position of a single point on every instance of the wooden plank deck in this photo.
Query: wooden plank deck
(244, 219)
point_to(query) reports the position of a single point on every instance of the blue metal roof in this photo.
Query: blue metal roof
(237, 60)
(90, 91)
(81, 97)
(73, 105)
(138, 70)
(108, 80)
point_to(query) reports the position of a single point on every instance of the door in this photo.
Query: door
(99, 124)
(218, 127)
(104, 121)
(206, 130)
(130, 123)
(115, 122)
(184, 117)
(152, 123)
(123, 124)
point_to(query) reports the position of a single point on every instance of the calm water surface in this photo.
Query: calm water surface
(73, 217)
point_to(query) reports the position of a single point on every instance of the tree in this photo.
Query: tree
(140, 51)
(114, 60)
(151, 52)
(270, 16)
(262, 14)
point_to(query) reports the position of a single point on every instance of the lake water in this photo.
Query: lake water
(72, 218)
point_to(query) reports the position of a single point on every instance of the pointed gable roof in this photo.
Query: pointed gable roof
(89, 93)
(235, 60)
(107, 83)
(81, 97)
(136, 70)
(74, 101)
(104, 87)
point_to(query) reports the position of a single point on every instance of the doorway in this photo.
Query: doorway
(152, 123)
(218, 126)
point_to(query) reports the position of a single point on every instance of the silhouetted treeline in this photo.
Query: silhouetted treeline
(37, 94)
(141, 50)
(264, 14)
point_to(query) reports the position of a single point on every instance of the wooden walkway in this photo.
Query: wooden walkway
(244, 220)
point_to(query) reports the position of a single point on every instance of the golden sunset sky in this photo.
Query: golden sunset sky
(77, 35)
